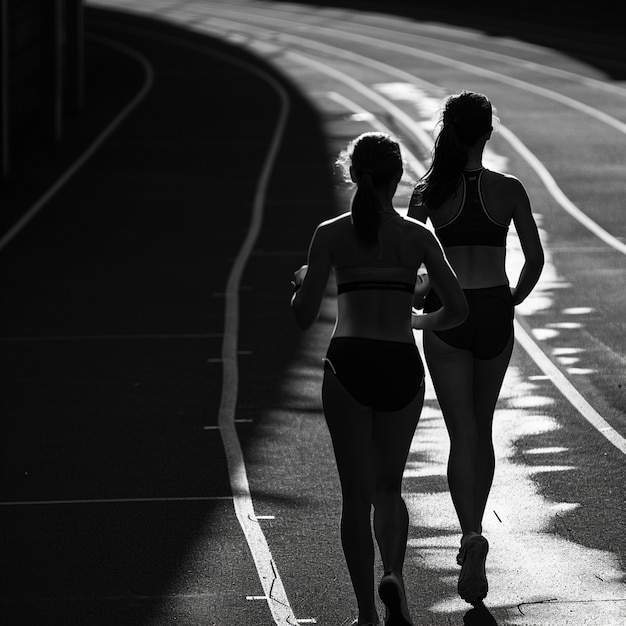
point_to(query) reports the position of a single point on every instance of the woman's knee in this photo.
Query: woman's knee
(466, 441)
(386, 494)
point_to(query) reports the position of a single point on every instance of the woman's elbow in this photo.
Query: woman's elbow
(304, 318)
(534, 264)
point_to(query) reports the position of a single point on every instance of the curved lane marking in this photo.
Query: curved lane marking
(100, 139)
(449, 62)
(424, 137)
(266, 567)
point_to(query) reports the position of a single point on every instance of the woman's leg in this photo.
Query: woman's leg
(351, 427)
(452, 372)
(393, 434)
(488, 378)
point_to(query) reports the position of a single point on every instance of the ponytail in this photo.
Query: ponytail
(372, 161)
(449, 159)
(366, 210)
(466, 117)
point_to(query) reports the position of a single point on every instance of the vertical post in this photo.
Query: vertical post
(4, 89)
(52, 68)
(57, 69)
(75, 56)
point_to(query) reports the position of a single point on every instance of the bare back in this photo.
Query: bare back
(377, 313)
(479, 266)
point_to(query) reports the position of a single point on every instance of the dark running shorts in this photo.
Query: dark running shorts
(384, 375)
(489, 323)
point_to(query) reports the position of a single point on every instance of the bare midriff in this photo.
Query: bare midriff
(478, 267)
(374, 314)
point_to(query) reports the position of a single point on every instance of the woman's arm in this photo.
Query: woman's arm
(454, 307)
(310, 280)
(531, 246)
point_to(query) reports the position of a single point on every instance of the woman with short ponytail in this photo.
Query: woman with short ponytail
(373, 386)
(471, 209)
(365, 210)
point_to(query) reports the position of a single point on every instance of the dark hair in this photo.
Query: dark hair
(465, 118)
(375, 159)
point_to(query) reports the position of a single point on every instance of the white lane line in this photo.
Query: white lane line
(381, 33)
(267, 569)
(100, 139)
(567, 389)
(417, 52)
(555, 191)
(113, 501)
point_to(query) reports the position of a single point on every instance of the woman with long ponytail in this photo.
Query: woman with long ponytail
(471, 208)
(373, 386)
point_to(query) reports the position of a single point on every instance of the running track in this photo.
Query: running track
(169, 327)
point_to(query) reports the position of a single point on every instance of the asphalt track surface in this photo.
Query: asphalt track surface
(117, 505)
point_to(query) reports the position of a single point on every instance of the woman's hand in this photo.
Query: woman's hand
(298, 277)
(422, 287)
(443, 280)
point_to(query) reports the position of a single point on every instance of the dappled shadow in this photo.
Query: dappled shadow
(545, 548)
(479, 615)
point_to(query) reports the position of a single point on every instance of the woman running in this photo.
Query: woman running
(471, 209)
(373, 385)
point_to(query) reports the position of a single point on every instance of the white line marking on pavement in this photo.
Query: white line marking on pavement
(556, 192)
(567, 389)
(267, 570)
(266, 567)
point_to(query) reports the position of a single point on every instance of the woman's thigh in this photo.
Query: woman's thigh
(392, 435)
(452, 372)
(351, 428)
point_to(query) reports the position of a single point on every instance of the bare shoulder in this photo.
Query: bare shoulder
(335, 222)
(418, 230)
(503, 182)
(333, 226)
(414, 225)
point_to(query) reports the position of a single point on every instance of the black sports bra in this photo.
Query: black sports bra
(395, 278)
(472, 225)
